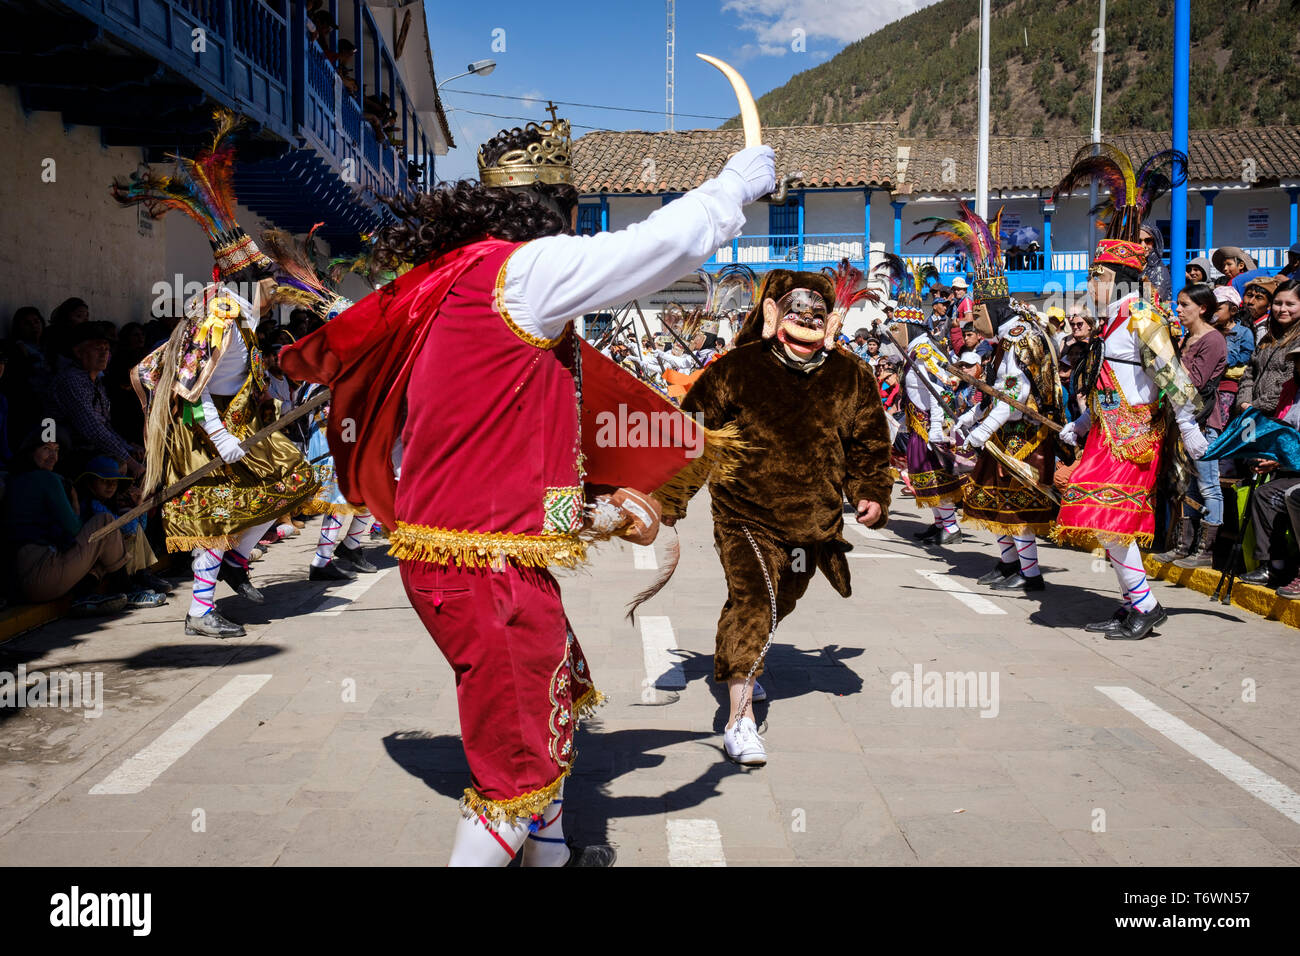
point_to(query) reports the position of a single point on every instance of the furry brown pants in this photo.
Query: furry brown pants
(747, 615)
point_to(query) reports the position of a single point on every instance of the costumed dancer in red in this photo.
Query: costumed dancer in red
(498, 461)
(1134, 385)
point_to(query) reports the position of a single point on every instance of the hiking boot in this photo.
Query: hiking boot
(1182, 543)
(1203, 557)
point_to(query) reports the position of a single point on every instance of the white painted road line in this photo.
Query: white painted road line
(138, 772)
(695, 843)
(1245, 775)
(334, 601)
(871, 534)
(663, 666)
(946, 582)
(644, 554)
(881, 555)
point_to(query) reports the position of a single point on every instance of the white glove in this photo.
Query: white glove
(976, 439)
(749, 175)
(1069, 435)
(1195, 443)
(227, 446)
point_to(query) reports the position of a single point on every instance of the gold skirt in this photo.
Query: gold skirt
(271, 480)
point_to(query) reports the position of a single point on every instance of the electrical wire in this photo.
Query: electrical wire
(586, 106)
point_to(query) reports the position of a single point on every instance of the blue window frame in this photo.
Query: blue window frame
(783, 221)
(588, 218)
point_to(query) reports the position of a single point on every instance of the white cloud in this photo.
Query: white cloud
(774, 22)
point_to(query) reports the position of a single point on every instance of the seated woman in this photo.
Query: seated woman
(53, 555)
(1274, 377)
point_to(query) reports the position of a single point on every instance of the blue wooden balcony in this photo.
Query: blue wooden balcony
(147, 73)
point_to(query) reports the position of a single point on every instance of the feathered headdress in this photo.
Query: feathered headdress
(913, 279)
(980, 240)
(297, 280)
(1129, 196)
(849, 290)
(202, 188)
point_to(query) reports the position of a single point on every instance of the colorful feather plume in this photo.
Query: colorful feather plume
(202, 187)
(1158, 175)
(298, 282)
(737, 281)
(849, 290)
(980, 240)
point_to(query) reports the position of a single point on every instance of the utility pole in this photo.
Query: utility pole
(1178, 198)
(1099, 45)
(671, 65)
(982, 156)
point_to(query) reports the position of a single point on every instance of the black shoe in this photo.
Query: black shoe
(238, 580)
(151, 582)
(1018, 582)
(1000, 571)
(1138, 625)
(356, 559)
(1261, 576)
(1110, 624)
(331, 572)
(598, 854)
(948, 537)
(213, 624)
(929, 534)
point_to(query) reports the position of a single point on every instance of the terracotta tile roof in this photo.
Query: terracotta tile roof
(1024, 162)
(841, 154)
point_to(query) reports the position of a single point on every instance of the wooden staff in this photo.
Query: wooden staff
(170, 492)
(1001, 397)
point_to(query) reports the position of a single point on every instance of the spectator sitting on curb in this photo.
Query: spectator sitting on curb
(79, 399)
(53, 555)
(103, 489)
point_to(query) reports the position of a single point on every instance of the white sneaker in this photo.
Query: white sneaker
(743, 744)
(759, 695)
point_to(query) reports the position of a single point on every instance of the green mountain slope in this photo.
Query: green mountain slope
(922, 70)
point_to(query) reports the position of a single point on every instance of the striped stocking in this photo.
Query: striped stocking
(1127, 562)
(479, 843)
(1027, 550)
(329, 537)
(203, 597)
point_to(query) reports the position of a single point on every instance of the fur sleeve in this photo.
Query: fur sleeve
(866, 449)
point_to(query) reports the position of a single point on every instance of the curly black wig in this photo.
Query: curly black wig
(454, 214)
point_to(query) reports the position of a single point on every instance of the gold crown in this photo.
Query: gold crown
(543, 161)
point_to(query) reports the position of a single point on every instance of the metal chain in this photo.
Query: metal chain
(771, 596)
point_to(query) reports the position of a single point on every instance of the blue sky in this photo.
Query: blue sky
(612, 52)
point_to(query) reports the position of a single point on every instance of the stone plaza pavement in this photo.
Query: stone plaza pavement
(328, 736)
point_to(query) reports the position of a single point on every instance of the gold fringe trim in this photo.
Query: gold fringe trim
(1042, 529)
(718, 461)
(934, 501)
(221, 542)
(414, 542)
(1090, 539)
(329, 508)
(588, 702)
(524, 806)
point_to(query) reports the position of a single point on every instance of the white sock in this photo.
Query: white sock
(204, 595)
(1127, 562)
(360, 524)
(238, 555)
(945, 517)
(479, 843)
(1027, 549)
(1008, 546)
(329, 537)
(545, 845)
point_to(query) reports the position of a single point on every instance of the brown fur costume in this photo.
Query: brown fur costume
(814, 438)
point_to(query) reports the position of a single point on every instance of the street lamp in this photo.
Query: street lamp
(477, 68)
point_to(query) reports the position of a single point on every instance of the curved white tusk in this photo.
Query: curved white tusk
(748, 111)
